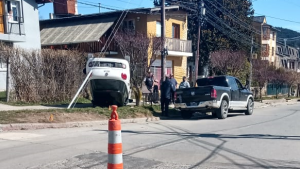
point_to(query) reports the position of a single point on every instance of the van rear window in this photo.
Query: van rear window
(106, 64)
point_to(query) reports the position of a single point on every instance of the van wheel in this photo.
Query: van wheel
(222, 112)
(186, 114)
(250, 107)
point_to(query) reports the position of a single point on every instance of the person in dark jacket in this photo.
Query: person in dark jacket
(167, 88)
(174, 82)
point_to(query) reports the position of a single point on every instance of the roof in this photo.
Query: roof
(259, 19)
(78, 31)
(112, 13)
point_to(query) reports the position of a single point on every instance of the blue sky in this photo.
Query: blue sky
(282, 9)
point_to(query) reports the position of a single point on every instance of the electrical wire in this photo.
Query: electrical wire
(114, 33)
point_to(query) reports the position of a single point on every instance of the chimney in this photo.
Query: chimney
(65, 7)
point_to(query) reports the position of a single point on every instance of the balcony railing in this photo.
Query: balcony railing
(13, 25)
(179, 45)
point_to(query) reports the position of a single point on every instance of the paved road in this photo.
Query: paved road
(268, 139)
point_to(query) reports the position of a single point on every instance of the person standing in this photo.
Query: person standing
(155, 92)
(149, 84)
(184, 84)
(174, 82)
(166, 88)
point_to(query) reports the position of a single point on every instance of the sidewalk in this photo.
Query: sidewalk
(280, 102)
(5, 107)
(265, 103)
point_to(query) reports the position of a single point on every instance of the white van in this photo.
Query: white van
(110, 81)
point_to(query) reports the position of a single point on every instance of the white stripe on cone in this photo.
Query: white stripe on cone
(115, 158)
(114, 137)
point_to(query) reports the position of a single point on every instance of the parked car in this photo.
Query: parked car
(219, 95)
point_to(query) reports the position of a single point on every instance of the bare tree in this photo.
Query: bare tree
(291, 80)
(226, 62)
(278, 78)
(261, 74)
(143, 50)
(298, 84)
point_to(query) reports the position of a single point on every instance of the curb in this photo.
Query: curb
(35, 126)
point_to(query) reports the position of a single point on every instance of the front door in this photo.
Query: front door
(1, 17)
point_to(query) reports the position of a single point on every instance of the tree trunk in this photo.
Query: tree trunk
(298, 90)
(276, 92)
(260, 93)
(137, 94)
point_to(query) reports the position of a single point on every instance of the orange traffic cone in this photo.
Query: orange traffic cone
(115, 156)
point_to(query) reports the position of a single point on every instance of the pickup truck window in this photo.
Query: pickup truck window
(232, 83)
(240, 86)
(215, 81)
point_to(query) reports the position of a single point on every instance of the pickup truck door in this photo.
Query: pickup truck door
(243, 94)
(235, 92)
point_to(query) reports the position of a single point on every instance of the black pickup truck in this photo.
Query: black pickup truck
(219, 95)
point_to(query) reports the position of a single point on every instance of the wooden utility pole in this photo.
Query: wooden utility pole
(7, 79)
(251, 65)
(201, 13)
(163, 34)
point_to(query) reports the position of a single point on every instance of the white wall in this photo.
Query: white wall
(2, 79)
(32, 33)
(31, 26)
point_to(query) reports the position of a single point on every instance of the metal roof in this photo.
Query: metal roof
(68, 32)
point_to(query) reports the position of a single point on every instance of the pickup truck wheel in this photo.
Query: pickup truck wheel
(222, 112)
(186, 114)
(250, 107)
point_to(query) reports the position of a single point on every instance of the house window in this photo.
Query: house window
(158, 29)
(2, 63)
(264, 48)
(292, 65)
(129, 26)
(264, 31)
(13, 11)
(176, 31)
(272, 51)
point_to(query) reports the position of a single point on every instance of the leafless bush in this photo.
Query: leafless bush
(44, 75)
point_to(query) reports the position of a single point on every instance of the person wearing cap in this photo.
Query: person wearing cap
(184, 84)
(174, 82)
(167, 88)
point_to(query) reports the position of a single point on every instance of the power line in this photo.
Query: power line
(279, 18)
(233, 31)
(234, 17)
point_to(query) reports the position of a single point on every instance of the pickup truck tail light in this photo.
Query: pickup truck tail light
(213, 93)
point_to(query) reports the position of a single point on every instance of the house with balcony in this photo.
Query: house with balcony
(267, 40)
(88, 33)
(288, 57)
(19, 27)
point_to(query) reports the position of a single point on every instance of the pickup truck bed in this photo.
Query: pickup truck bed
(218, 95)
